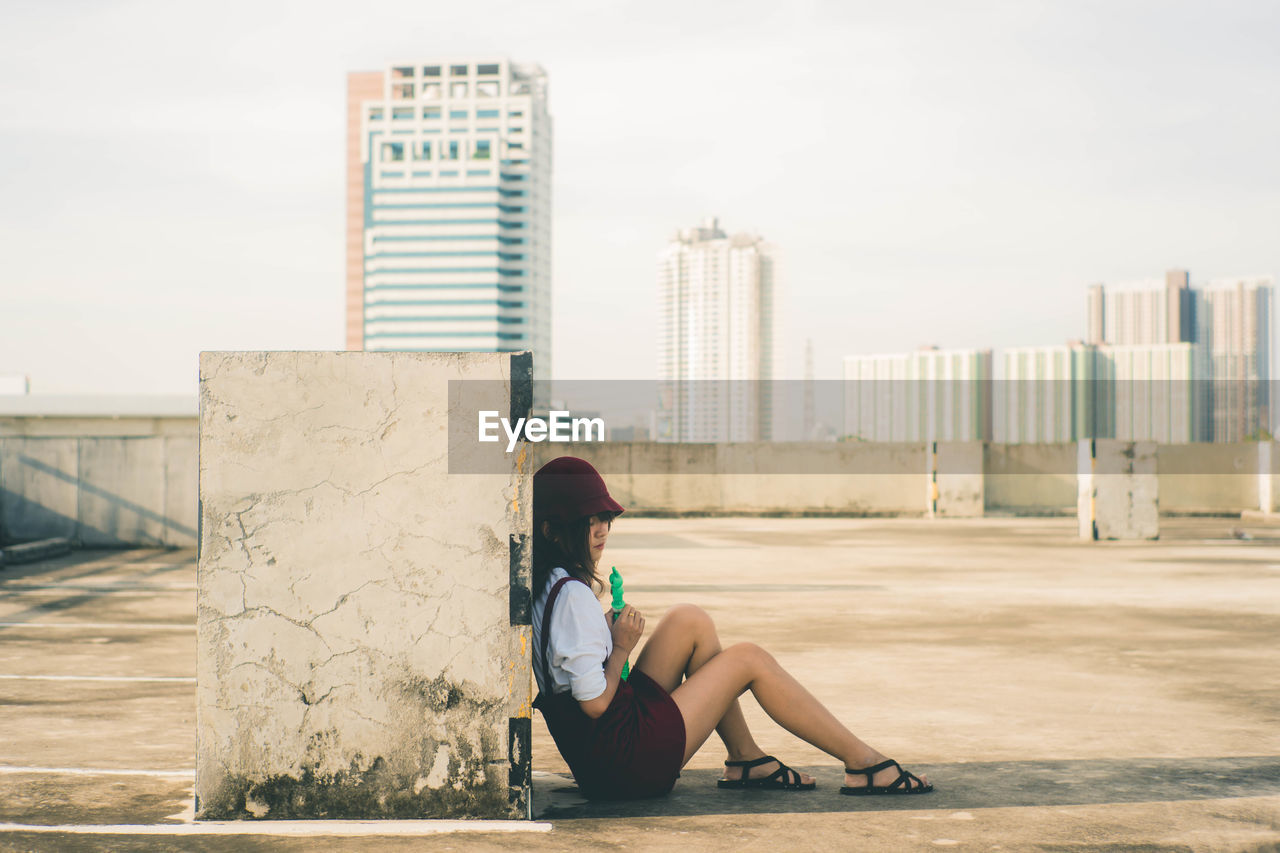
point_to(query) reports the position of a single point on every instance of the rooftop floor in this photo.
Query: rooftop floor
(1061, 695)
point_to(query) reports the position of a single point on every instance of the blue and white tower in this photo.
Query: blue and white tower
(449, 209)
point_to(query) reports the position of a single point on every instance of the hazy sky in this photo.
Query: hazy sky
(172, 174)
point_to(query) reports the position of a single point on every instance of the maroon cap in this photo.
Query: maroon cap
(568, 488)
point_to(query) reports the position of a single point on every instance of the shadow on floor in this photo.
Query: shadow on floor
(983, 785)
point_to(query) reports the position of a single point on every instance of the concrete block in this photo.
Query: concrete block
(39, 488)
(1119, 491)
(1268, 477)
(122, 492)
(956, 487)
(362, 613)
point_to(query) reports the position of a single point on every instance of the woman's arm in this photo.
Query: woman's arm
(626, 631)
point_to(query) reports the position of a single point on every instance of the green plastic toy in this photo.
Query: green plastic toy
(615, 584)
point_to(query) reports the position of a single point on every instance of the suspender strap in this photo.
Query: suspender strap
(546, 630)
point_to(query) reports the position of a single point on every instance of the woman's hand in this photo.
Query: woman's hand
(627, 629)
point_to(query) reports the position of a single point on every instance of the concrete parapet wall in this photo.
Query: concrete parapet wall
(141, 490)
(363, 615)
(758, 478)
(66, 426)
(99, 491)
(1030, 479)
(1200, 478)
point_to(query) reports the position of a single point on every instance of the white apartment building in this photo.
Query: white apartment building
(1228, 322)
(449, 208)
(928, 395)
(1233, 321)
(717, 342)
(1044, 396)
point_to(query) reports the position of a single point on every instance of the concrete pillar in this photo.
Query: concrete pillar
(363, 614)
(1268, 477)
(1118, 496)
(956, 483)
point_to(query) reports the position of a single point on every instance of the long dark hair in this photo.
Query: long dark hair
(567, 547)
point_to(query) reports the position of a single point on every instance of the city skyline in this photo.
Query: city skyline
(182, 195)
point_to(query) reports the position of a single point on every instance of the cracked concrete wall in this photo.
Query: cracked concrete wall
(359, 652)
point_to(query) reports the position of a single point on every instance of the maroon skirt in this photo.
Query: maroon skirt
(634, 749)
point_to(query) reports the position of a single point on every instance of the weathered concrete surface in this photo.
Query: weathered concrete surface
(957, 474)
(1204, 478)
(1030, 479)
(39, 496)
(1063, 695)
(765, 478)
(1268, 476)
(1119, 490)
(357, 653)
(112, 491)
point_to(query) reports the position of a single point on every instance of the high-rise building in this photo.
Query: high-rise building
(1046, 394)
(928, 395)
(1233, 322)
(717, 342)
(1138, 392)
(1227, 321)
(449, 208)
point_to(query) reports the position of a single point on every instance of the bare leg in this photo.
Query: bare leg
(708, 693)
(684, 641)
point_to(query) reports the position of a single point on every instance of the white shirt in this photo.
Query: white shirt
(580, 640)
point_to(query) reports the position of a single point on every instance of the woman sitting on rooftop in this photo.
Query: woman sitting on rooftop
(629, 738)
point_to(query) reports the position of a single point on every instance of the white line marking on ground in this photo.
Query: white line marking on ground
(94, 771)
(106, 626)
(291, 827)
(177, 679)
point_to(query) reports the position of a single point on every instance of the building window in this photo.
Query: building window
(402, 91)
(487, 69)
(515, 146)
(431, 91)
(392, 152)
(486, 113)
(403, 72)
(431, 112)
(375, 114)
(516, 129)
(457, 113)
(424, 150)
(515, 114)
(401, 113)
(431, 71)
(457, 90)
(483, 150)
(487, 89)
(458, 70)
(451, 150)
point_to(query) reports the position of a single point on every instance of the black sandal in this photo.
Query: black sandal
(901, 785)
(782, 779)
